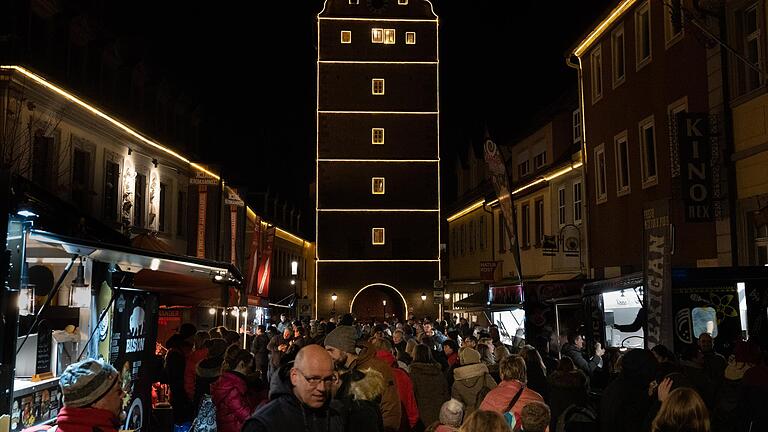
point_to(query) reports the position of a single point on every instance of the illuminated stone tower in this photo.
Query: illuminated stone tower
(378, 175)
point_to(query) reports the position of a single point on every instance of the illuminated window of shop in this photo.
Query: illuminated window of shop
(377, 236)
(539, 222)
(483, 232)
(648, 151)
(181, 214)
(377, 86)
(621, 150)
(377, 35)
(561, 206)
(577, 202)
(471, 237)
(643, 35)
(704, 321)
(596, 68)
(163, 202)
(346, 36)
(389, 36)
(601, 184)
(525, 225)
(377, 185)
(617, 56)
(377, 135)
(139, 201)
(410, 38)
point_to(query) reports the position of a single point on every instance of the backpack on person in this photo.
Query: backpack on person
(206, 416)
(577, 418)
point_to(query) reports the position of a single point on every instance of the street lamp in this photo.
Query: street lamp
(423, 296)
(384, 302)
(334, 297)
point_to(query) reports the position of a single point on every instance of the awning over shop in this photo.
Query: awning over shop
(478, 299)
(558, 277)
(179, 280)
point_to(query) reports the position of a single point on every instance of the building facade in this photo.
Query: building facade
(636, 166)
(544, 168)
(377, 179)
(746, 84)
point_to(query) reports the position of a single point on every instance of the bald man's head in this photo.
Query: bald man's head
(313, 376)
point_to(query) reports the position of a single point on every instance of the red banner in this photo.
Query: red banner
(251, 272)
(202, 209)
(265, 265)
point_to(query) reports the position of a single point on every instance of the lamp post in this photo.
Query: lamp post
(334, 297)
(423, 299)
(384, 302)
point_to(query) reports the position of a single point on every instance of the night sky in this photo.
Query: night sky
(253, 67)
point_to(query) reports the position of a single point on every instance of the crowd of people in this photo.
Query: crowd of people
(339, 374)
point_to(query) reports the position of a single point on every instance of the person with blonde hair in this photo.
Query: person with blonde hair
(512, 394)
(682, 409)
(484, 421)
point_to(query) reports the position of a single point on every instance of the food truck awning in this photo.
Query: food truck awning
(180, 280)
(614, 284)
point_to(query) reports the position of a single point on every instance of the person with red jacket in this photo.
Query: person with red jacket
(514, 377)
(198, 354)
(231, 396)
(403, 382)
(92, 396)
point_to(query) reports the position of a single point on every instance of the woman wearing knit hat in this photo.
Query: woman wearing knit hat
(451, 415)
(92, 396)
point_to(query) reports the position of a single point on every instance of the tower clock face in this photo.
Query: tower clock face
(378, 6)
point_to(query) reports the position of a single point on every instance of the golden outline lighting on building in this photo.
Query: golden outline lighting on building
(120, 125)
(318, 112)
(545, 178)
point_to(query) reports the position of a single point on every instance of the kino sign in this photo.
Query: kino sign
(696, 166)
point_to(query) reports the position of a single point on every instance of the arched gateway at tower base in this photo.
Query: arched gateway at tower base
(376, 300)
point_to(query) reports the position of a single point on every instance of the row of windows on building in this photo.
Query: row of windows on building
(47, 170)
(381, 36)
(643, 48)
(646, 138)
(472, 236)
(282, 264)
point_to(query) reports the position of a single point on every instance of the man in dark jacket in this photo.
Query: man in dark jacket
(300, 397)
(260, 351)
(277, 347)
(573, 350)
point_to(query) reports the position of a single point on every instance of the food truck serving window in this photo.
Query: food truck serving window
(623, 318)
(511, 325)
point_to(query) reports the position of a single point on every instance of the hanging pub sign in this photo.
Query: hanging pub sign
(490, 271)
(695, 151)
(132, 348)
(657, 273)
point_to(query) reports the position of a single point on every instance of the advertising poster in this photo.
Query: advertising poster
(657, 273)
(132, 348)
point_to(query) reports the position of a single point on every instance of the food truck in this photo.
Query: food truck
(729, 303)
(68, 297)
